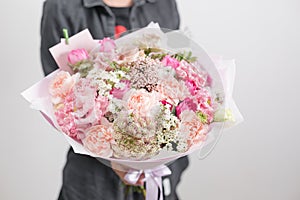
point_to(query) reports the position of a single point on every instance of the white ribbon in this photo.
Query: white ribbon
(153, 179)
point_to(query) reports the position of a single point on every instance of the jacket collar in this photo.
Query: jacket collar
(93, 3)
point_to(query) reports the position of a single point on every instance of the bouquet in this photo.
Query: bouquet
(142, 100)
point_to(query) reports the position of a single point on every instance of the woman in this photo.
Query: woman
(84, 177)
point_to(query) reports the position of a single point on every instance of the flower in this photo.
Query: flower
(119, 92)
(188, 72)
(142, 103)
(130, 147)
(144, 73)
(191, 85)
(101, 104)
(90, 107)
(169, 61)
(98, 140)
(167, 104)
(129, 54)
(107, 45)
(186, 104)
(78, 55)
(128, 123)
(65, 118)
(191, 125)
(205, 104)
(172, 90)
(60, 87)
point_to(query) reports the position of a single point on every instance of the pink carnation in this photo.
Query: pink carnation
(77, 56)
(107, 45)
(191, 85)
(101, 104)
(205, 105)
(90, 107)
(172, 90)
(65, 118)
(61, 86)
(170, 61)
(186, 104)
(98, 140)
(188, 72)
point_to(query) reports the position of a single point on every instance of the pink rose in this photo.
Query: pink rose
(118, 92)
(77, 56)
(186, 104)
(107, 45)
(169, 61)
(61, 86)
(98, 140)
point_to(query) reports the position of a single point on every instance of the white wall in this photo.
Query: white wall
(258, 160)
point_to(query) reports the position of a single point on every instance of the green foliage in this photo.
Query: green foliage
(187, 56)
(83, 68)
(135, 189)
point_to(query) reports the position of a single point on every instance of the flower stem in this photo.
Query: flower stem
(66, 35)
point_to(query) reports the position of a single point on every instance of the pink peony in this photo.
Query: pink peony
(118, 92)
(170, 61)
(186, 104)
(193, 128)
(141, 102)
(98, 140)
(78, 55)
(60, 87)
(107, 45)
(172, 90)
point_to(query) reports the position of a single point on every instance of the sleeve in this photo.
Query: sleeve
(52, 23)
(176, 15)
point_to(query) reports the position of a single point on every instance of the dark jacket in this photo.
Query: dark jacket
(76, 15)
(84, 177)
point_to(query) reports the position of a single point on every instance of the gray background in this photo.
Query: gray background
(258, 160)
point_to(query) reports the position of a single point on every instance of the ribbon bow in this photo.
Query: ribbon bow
(153, 180)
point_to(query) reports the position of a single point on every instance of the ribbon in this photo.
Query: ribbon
(153, 180)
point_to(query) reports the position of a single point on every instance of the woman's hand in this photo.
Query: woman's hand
(121, 171)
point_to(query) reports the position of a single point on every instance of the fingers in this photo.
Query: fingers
(141, 180)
